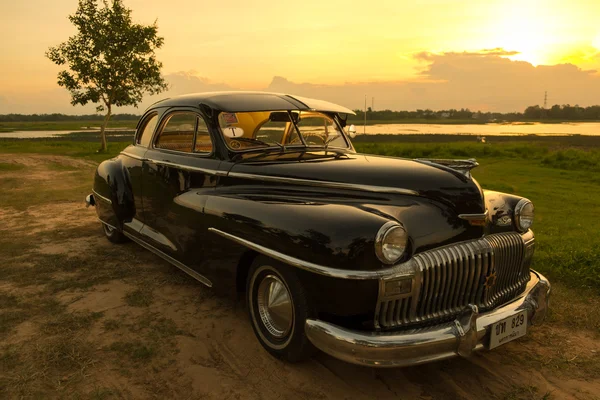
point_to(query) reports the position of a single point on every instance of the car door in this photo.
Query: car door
(179, 173)
(132, 158)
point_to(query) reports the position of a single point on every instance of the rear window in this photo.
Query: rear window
(147, 129)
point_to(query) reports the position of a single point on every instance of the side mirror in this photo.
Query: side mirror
(352, 131)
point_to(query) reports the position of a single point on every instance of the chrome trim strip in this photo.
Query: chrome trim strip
(109, 201)
(171, 164)
(305, 265)
(326, 184)
(156, 236)
(106, 223)
(170, 259)
(188, 168)
(128, 154)
(470, 217)
(469, 332)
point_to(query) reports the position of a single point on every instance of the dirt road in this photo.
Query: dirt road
(84, 318)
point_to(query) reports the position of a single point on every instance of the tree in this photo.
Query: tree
(110, 60)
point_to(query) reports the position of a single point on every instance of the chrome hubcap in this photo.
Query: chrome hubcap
(275, 306)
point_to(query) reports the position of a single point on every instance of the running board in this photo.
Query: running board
(171, 260)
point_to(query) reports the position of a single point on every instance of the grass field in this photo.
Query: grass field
(81, 318)
(62, 125)
(560, 179)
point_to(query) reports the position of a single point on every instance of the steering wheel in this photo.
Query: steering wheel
(295, 140)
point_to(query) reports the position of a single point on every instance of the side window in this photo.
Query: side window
(145, 134)
(178, 132)
(203, 140)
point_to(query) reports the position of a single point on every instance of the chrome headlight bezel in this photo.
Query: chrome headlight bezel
(521, 224)
(383, 254)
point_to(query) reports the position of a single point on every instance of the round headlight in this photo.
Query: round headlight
(390, 242)
(524, 213)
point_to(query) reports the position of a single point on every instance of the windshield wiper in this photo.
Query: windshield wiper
(264, 154)
(262, 150)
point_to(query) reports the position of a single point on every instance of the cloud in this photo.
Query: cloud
(498, 51)
(485, 80)
(57, 100)
(481, 81)
(190, 82)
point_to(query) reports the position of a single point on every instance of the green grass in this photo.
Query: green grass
(560, 180)
(61, 125)
(468, 121)
(562, 184)
(87, 150)
(136, 351)
(63, 349)
(140, 297)
(9, 167)
(66, 323)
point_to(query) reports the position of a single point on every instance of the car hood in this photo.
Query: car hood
(432, 181)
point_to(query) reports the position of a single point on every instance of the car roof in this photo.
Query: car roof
(251, 101)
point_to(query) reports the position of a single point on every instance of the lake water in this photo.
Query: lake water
(584, 128)
(49, 134)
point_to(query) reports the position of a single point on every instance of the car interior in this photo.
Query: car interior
(246, 130)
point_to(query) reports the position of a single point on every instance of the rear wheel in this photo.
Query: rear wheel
(278, 308)
(113, 234)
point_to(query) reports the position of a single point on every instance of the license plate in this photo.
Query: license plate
(508, 329)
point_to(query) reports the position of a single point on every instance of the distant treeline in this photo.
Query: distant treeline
(531, 113)
(64, 117)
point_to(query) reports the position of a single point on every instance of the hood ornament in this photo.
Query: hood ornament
(462, 166)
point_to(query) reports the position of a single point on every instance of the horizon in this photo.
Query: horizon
(369, 110)
(496, 56)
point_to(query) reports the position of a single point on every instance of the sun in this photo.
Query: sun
(596, 41)
(526, 32)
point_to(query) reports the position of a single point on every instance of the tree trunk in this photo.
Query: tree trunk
(103, 131)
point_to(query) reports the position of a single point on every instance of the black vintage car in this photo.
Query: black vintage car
(375, 260)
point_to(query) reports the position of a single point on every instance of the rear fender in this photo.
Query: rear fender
(114, 194)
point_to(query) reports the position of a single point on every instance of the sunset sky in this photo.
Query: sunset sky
(489, 55)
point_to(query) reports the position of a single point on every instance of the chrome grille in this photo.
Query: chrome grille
(486, 272)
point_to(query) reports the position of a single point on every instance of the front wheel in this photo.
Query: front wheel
(278, 308)
(113, 234)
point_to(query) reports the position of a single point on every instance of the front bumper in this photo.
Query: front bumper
(467, 333)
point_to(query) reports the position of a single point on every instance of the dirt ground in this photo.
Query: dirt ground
(83, 318)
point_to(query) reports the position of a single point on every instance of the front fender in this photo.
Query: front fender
(335, 235)
(115, 203)
(501, 207)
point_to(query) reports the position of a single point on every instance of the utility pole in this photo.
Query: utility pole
(543, 114)
(372, 103)
(365, 125)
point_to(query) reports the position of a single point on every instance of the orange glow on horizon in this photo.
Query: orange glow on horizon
(243, 45)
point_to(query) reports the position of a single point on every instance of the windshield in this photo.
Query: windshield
(262, 129)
